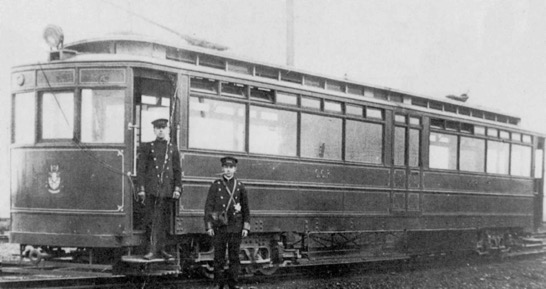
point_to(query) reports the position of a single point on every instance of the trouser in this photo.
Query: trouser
(231, 241)
(158, 222)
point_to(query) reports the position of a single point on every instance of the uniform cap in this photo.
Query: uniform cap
(160, 122)
(229, 161)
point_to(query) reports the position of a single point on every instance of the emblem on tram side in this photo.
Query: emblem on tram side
(54, 179)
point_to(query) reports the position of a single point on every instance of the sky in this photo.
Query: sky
(493, 50)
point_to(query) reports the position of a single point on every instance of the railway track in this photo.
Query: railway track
(67, 275)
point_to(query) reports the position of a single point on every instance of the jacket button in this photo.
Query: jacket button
(224, 205)
(221, 197)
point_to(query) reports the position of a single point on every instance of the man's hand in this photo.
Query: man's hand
(210, 232)
(141, 196)
(176, 195)
(244, 233)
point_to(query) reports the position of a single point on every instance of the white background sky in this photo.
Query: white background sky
(493, 49)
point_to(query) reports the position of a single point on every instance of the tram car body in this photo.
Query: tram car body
(333, 167)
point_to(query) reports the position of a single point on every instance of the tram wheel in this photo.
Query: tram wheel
(268, 271)
(207, 271)
(35, 256)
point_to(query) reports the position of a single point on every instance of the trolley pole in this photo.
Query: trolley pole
(290, 32)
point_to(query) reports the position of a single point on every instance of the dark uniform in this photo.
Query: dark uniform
(159, 175)
(230, 235)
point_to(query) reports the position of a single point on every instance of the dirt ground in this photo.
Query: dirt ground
(528, 272)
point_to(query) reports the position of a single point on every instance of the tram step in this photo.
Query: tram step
(140, 259)
(533, 245)
(348, 259)
(532, 240)
(136, 265)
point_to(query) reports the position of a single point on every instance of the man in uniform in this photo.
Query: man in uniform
(159, 183)
(227, 194)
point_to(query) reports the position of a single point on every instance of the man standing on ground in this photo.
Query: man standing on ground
(227, 197)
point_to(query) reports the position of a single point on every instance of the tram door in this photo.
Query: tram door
(406, 160)
(153, 95)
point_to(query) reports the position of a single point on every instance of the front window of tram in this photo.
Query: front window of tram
(102, 116)
(24, 118)
(57, 115)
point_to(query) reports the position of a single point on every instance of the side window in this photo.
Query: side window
(539, 159)
(103, 116)
(399, 146)
(320, 137)
(407, 135)
(520, 161)
(472, 156)
(443, 151)
(24, 118)
(497, 157)
(414, 145)
(364, 142)
(273, 131)
(57, 115)
(217, 125)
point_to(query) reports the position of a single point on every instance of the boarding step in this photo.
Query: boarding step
(314, 260)
(532, 242)
(137, 265)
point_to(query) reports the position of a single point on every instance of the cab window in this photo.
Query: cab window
(102, 116)
(24, 118)
(57, 115)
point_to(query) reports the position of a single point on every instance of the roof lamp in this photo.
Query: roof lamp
(54, 37)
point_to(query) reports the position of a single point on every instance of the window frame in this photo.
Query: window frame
(79, 129)
(13, 125)
(75, 121)
(296, 106)
(345, 136)
(488, 134)
(407, 122)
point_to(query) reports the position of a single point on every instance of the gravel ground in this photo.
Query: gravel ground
(529, 272)
(8, 251)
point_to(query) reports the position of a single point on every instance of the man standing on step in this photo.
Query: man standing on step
(159, 184)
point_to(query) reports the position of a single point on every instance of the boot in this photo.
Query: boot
(149, 256)
(166, 255)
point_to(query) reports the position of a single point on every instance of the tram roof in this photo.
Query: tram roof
(181, 51)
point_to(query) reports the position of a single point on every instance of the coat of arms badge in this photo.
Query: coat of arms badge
(54, 179)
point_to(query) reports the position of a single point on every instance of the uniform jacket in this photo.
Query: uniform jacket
(151, 161)
(218, 199)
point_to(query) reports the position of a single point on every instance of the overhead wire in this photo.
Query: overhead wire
(187, 38)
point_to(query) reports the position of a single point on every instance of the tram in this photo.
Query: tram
(335, 169)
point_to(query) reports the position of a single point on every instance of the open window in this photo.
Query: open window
(153, 99)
